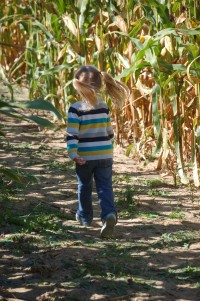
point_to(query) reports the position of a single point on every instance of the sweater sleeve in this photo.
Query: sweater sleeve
(73, 132)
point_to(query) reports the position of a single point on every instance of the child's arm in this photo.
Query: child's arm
(72, 133)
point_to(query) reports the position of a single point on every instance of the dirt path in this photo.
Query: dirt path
(46, 255)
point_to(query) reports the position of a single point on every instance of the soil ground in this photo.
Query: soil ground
(46, 255)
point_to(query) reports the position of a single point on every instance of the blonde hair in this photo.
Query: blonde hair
(89, 81)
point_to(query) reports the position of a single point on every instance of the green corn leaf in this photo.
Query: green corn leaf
(137, 43)
(193, 49)
(123, 60)
(2, 134)
(111, 9)
(156, 150)
(195, 173)
(189, 32)
(173, 67)
(143, 48)
(6, 82)
(198, 136)
(126, 72)
(4, 104)
(42, 122)
(40, 104)
(7, 113)
(82, 6)
(163, 12)
(57, 69)
(175, 6)
(136, 28)
(181, 172)
(170, 78)
(43, 29)
(165, 32)
(12, 175)
(155, 111)
(194, 157)
(189, 67)
(129, 149)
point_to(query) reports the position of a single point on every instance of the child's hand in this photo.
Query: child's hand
(80, 161)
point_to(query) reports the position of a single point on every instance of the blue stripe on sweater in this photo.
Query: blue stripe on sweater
(71, 146)
(95, 148)
(73, 120)
(91, 121)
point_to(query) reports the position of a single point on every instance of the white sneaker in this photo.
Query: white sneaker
(108, 227)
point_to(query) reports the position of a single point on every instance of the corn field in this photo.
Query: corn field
(153, 46)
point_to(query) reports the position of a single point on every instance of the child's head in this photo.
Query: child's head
(89, 81)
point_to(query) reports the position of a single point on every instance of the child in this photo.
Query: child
(90, 144)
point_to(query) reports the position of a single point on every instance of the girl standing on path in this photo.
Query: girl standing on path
(90, 144)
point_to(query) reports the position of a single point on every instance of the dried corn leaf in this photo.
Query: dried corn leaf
(70, 25)
(99, 43)
(119, 21)
(168, 44)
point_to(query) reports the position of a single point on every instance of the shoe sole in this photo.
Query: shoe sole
(108, 227)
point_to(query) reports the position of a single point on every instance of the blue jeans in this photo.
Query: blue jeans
(101, 172)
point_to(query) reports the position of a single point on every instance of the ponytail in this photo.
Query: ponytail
(86, 92)
(117, 91)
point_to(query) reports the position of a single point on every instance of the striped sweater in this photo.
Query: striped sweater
(89, 132)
